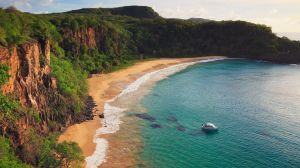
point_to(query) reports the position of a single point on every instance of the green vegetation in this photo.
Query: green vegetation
(135, 11)
(41, 152)
(101, 40)
(7, 156)
(132, 11)
(69, 154)
(4, 76)
(129, 33)
(7, 105)
(71, 81)
(37, 150)
(108, 50)
(17, 27)
(156, 37)
(231, 38)
(46, 152)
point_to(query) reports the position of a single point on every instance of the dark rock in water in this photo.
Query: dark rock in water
(146, 117)
(180, 128)
(101, 115)
(157, 95)
(207, 132)
(172, 118)
(155, 126)
(197, 133)
(265, 134)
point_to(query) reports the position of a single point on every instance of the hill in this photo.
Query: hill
(132, 11)
(46, 58)
(199, 20)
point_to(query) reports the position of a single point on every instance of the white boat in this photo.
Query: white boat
(209, 127)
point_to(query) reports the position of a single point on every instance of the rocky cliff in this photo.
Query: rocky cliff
(32, 83)
(29, 71)
(97, 37)
(85, 36)
(30, 76)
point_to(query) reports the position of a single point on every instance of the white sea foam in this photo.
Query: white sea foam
(99, 155)
(112, 121)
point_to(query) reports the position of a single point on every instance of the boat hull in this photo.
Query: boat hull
(210, 130)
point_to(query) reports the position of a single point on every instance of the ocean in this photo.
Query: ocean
(255, 104)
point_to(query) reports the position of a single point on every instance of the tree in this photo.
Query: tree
(3, 73)
(69, 154)
(7, 106)
(7, 156)
(74, 25)
(48, 154)
(2, 37)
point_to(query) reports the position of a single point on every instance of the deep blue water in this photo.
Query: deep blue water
(256, 106)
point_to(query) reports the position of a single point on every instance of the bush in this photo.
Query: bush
(71, 81)
(7, 156)
(31, 149)
(2, 37)
(45, 152)
(3, 74)
(7, 105)
(18, 27)
(69, 154)
(48, 153)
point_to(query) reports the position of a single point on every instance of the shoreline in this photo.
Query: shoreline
(105, 89)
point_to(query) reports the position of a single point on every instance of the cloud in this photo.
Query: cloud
(294, 2)
(274, 11)
(182, 12)
(47, 3)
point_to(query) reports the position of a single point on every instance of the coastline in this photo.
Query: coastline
(92, 137)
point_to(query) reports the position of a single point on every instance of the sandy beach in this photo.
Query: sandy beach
(104, 87)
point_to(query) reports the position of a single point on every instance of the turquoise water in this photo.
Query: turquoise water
(256, 106)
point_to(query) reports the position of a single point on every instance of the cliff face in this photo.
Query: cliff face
(32, 84)
(93, 38)
(83, 36)
(29, 69)
(29, 76)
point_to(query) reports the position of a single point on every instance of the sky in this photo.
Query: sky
(281, 15)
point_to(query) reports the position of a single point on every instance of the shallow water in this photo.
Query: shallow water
(256, 106)
(114, 110)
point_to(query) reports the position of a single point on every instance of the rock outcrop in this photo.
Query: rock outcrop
(29, 72)
(33, 86)
(85, 36)
(30, 81)
(92, 38)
